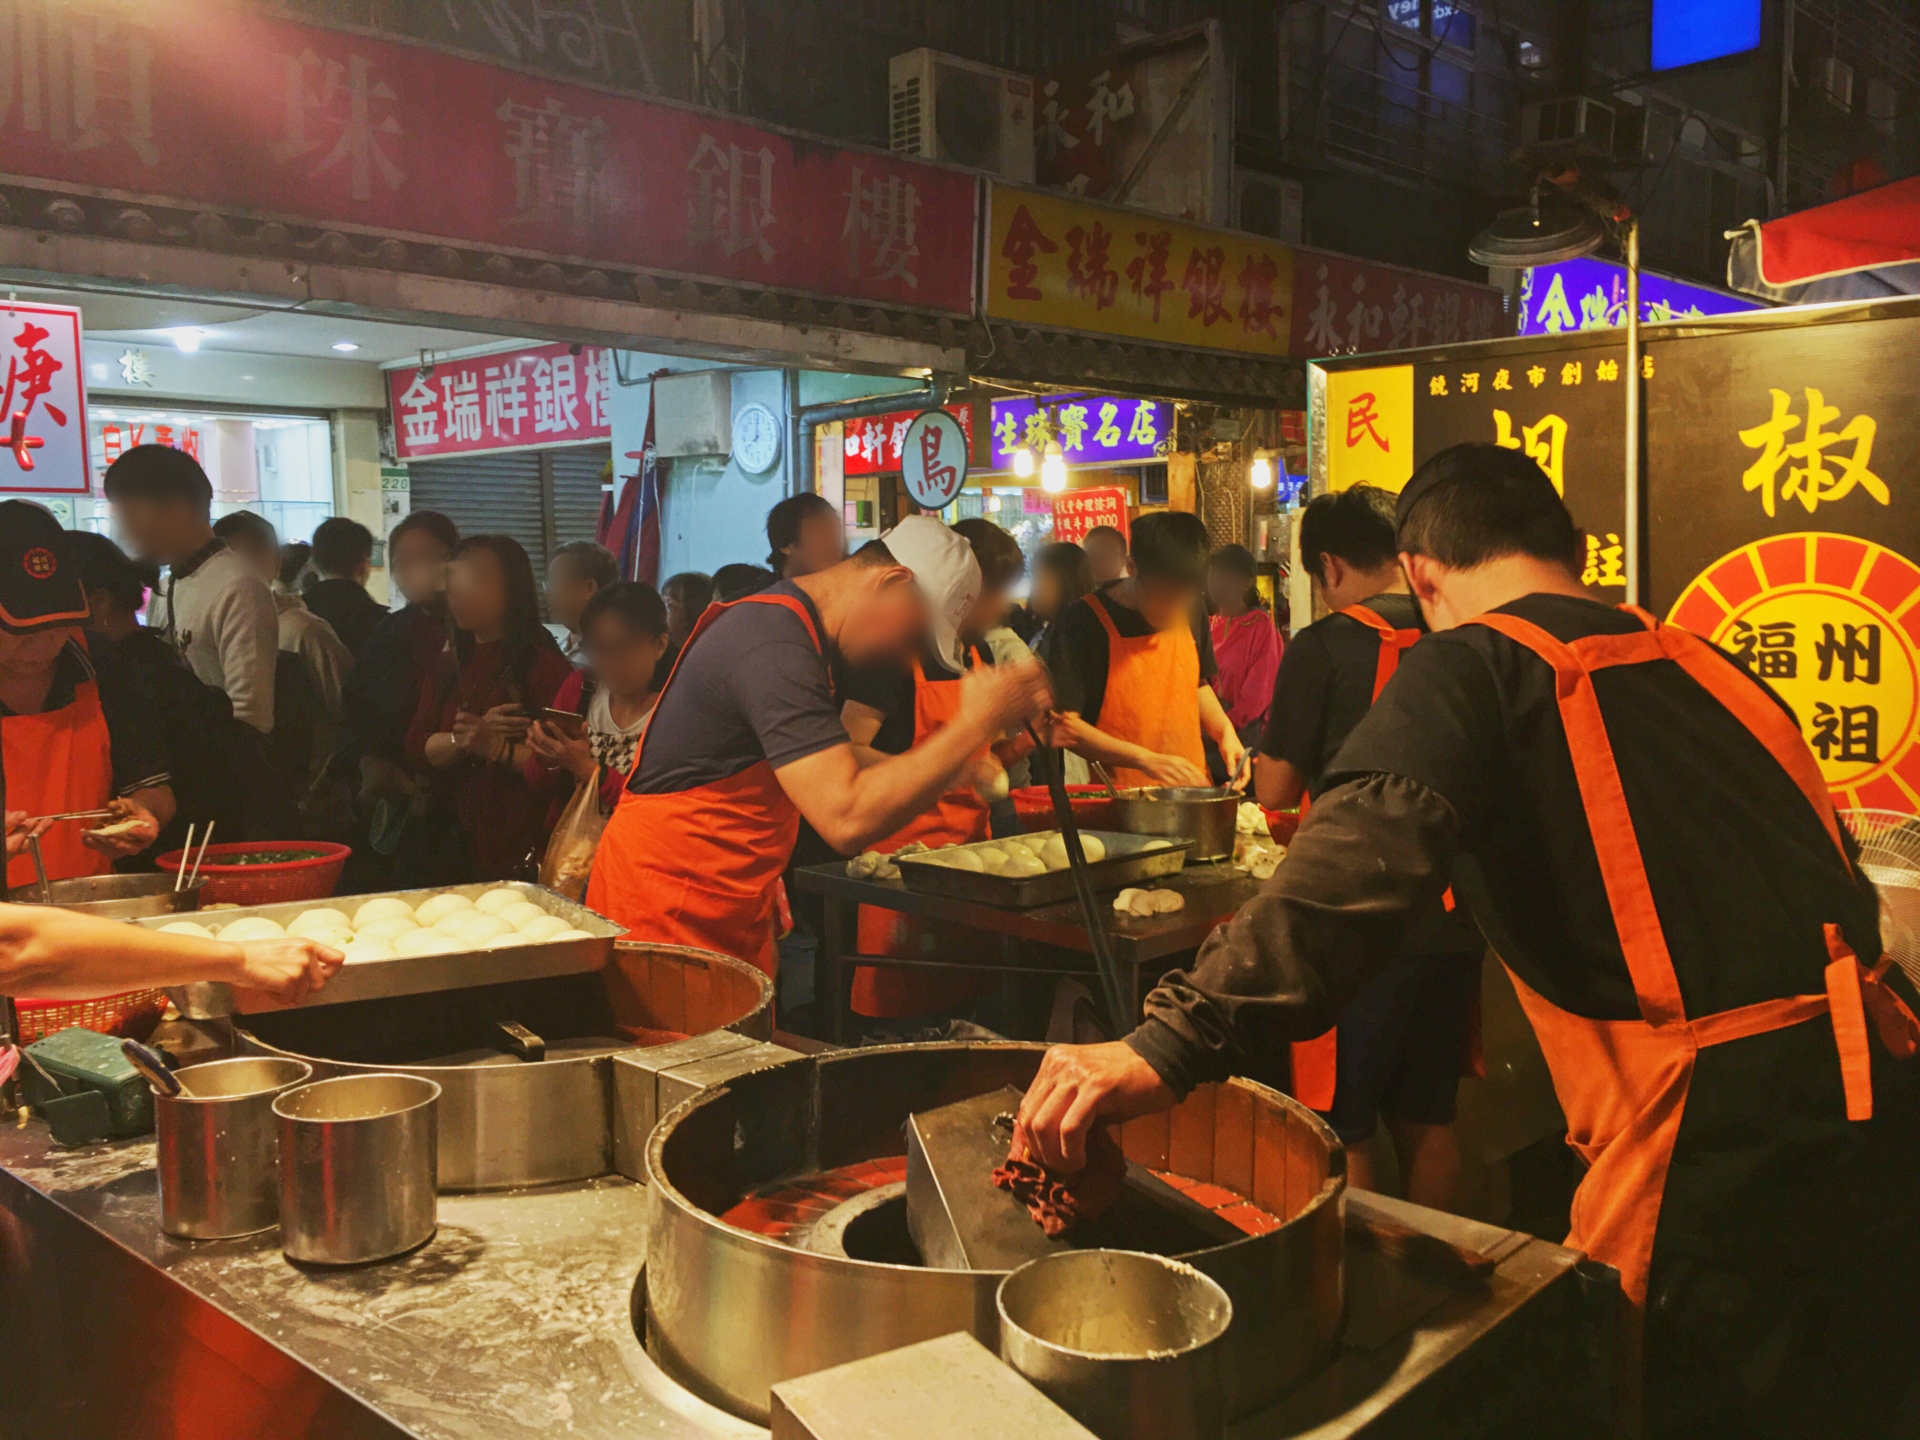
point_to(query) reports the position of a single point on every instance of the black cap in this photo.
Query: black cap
(40, 586)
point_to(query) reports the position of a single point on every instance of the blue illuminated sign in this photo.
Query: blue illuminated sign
(1592, 295)
(1685, 32)
(1091, 429)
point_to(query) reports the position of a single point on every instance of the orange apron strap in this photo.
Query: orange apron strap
(1392, 643)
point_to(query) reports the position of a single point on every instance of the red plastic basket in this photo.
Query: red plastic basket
(134, 1013)
(1090, 804)
(270, 884)
(1282, 823)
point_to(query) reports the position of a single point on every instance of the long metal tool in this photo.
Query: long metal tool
(1119, 1006)
(205, 841)
(186, 854)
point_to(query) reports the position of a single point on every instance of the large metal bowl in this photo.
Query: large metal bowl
(1205, 814)
(729, 1313)
(115, 897)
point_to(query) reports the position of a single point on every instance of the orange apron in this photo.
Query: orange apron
(1316, 1061)
(699, 867)
(1152, 699)
(57, 762)
(957, 818)
(1623, 1083)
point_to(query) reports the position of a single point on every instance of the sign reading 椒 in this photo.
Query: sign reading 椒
(546, 395)
(43, 423)
(933, 459)
(1091, 429)
(1056, 261)
(1076, 512)
(873, 444)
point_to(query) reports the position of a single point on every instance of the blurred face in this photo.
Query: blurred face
(823, 543)
(262, 555)
(680, 615)
(477, 593)
(1044, 600)
(889, 622)
(567, 592)
(162, 531)
(417, 562)
(1166, 603)
(33, 652)
(1227, 590)
(989, 612)
(624, 659)
(1108, 557)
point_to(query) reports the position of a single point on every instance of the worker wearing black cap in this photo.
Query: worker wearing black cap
(68, 747)
(1645, 839)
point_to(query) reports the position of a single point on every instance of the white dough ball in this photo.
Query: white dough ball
(568, 935)
(454, 921)
(480, 928)
(425, 942)
(993, 860)
(186, 927)
(1022, 864)
(505, 942)
(964, 860)
(1054, 853)
(520, 912)
(368, 950)
(324, 918)
(544, 928)
(385, 927)
(383, 908)
(252, 927)
(434, 909)
(494, 901)
(1094, 846)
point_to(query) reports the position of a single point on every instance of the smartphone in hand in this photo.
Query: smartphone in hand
(565, 721)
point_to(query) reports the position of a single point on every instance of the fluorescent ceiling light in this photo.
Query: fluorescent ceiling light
(186, 338)
(345, 347)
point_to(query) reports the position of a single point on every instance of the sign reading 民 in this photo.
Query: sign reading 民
(1091, 429)
(873, 443)
(1369, 427)
(546, 395)
(1057, 261)
(43, 425)
(1075, 512)
(933, 459)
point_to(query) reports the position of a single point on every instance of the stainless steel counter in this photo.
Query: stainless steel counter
(515, 1321)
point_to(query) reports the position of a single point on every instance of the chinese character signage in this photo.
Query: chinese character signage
(543, 396)
(1591, 294)
(43, 423)
(1075, 512)
(1785, 526)
(310, 124)
(1091, 429)
(1056, 261)
(873, 443)
(933, 461)
(1369, 427)
(1344, 306)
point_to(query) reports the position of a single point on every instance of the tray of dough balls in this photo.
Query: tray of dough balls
(1023, 871)
(409, 942)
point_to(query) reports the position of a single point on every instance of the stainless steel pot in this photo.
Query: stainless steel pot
(1127, 1344)
(1203, 814)
(357, 1168)
(115, 897)
(218, 1149)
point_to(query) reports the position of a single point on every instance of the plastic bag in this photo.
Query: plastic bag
(569, 856)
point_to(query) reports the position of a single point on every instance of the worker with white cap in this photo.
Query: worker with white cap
(747, 738)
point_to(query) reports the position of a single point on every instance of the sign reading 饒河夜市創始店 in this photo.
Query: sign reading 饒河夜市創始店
(1590, 294)
(547, 395)
(43, 425)
(210, 104)
(1091, 429)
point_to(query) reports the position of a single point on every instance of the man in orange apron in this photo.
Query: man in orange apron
(1132, 664)
(1399, 1047)
(1644, 837)
(64, 749)
(747, 738)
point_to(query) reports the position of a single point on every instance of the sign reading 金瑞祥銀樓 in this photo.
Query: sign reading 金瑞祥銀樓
(547, 395)
(43, 425)
(211, 104)
(1075, 512)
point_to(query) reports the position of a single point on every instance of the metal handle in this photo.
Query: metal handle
(152, 1065)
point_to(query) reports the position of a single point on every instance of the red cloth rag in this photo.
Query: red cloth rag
(1059, 1201)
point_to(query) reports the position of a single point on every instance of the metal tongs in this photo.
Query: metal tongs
(181, 879)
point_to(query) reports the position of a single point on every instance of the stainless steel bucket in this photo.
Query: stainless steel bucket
(219, 1147)
(1203, 814)
(1128, 1344)
(357, 1168)
(115, 897)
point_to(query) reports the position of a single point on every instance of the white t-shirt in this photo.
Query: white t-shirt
(221, 618)
(611, 744)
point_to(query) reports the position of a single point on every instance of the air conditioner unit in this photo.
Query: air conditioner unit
(1834, 79)
(945, 108)
(1268, 205)
(1573, 123)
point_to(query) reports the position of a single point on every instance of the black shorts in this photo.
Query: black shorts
(1402, 1044)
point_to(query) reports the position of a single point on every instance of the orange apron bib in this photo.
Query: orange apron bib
(1623, 1083)
(1316, 1062)
(699, 867)
(1152, 699)
(57, 762)
(958, 817)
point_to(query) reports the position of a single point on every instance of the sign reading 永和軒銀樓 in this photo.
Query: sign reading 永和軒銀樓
(1091, 429)
(43, 426)
(1588, 294)
(1075, 512)
(873, 443)
(547, 395)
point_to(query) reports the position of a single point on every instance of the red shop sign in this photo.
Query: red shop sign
(543, 396)
(205, 103)
(1344, 306)
(873, 443)
(1075, 512)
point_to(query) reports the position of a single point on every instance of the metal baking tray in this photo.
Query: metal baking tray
(1130, 860)
(415, 974)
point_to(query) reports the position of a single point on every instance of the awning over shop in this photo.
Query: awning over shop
(1860, 248)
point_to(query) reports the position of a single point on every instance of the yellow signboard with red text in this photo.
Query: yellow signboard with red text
(1071, 264)
(1370, 428)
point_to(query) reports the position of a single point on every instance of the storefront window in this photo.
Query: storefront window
(278, 466)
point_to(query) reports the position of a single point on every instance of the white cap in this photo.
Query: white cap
(943, 564)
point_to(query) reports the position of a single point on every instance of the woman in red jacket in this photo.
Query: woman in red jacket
(469, 734)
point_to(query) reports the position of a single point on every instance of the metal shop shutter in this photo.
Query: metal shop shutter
(578, 472)
(542, 498)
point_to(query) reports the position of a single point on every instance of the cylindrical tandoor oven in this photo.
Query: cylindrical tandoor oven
(504, 1120)
(790, 1311)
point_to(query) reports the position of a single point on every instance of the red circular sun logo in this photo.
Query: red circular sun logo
(40, 563)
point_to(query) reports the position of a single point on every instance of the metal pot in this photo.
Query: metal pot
(218, 1150)
(115, 897)
(1204, 814)
(1127, 1344)
(357, 1168)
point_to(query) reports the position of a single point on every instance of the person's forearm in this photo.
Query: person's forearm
(1213, 718)
(52, 954)
(158, 801)
(1276, 783)
(443, 752)
(1090, 742)
(1367, 860)
(885, 796)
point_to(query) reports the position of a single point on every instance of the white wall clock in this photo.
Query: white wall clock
(756, 438)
